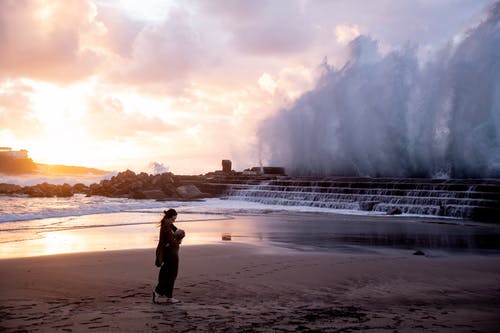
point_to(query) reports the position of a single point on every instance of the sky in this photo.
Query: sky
(124, 84)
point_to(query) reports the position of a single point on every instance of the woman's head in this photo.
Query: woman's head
(169, 217)
(170, 213)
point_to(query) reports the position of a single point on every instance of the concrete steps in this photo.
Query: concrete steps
(465, 199)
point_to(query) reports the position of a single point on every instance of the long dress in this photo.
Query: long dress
(167, 256)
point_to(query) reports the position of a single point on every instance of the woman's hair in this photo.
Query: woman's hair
(170, 213)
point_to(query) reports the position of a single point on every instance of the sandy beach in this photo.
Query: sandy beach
(234, 287)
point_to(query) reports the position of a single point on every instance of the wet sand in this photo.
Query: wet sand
(234, 287)
(303, 231)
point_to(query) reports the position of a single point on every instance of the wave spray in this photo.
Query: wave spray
(389, 116)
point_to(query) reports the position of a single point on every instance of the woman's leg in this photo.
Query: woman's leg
(172, 263)
(161, 287)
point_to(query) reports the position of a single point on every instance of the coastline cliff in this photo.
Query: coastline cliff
(9, 165)
(17, 162)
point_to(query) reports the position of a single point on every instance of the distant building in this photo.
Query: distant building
(226, 166)
(14, 154)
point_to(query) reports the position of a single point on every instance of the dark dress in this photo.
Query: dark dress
(167, 256)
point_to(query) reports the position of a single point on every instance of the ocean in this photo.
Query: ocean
(36, 226)
(43, 226)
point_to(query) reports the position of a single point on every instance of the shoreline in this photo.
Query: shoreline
(313, 231)
(241, 287)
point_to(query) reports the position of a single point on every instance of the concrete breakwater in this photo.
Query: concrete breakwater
(473, 199)
(466, 199)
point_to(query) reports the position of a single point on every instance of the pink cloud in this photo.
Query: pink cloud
(43, 40)
(271, 27)
(121, 31)
(107, 119)
(166, 52)
(16, 115)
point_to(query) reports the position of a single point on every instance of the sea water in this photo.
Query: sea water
(41, 226)
(33, 226)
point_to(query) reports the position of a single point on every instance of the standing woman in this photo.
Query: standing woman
(167, 257)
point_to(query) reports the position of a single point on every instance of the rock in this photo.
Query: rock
(48, 190)
(154, 194)
(368, 205)
(419, 253)
(136, 185)
(128, 184)
(119, 192)
(80, 188)
(161, 180)
(125, 175)
(394, 211)
(189, 192)
(64, 190)
(34, 192)
(9, 188)
(170, 190)
(137, 195)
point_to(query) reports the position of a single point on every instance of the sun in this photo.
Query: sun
(59, 111)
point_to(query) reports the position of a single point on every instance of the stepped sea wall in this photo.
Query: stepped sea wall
(457, 198)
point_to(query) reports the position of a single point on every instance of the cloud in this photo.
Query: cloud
(106, 119)
(43, 40)
(273, 27)
(289, 83)
(345, 33)
(16, 115)
(267, 83)
(163, 53)
(121, 30)
(218, 66)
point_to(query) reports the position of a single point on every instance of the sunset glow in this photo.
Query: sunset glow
(117, 84)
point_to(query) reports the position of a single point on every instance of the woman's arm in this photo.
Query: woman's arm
(169, 237)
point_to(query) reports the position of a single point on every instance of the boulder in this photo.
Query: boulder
(126, 175)
(64, 190)
(80, 188)
(136, 185)
(9, 188)
(154, 194)
(394, 211)
(368, 205)
(189, 192)
(137, 195)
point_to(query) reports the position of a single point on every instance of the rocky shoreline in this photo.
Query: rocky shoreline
(128, 184)
(470, 199)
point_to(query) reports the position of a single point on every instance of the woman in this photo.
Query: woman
(167, 256)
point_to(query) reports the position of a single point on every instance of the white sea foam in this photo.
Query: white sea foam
(25, 208)
(14, 209)
(219, 206)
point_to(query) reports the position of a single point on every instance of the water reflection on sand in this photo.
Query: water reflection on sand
(337, 232)
(305, 231)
